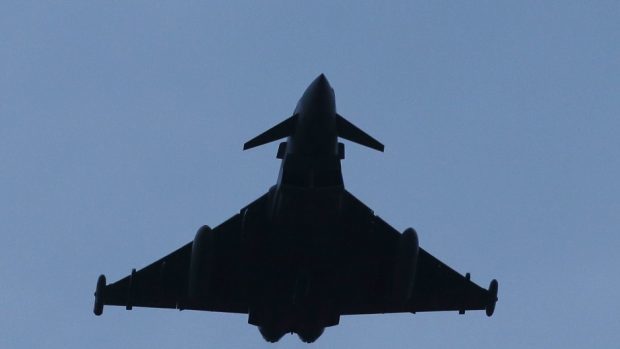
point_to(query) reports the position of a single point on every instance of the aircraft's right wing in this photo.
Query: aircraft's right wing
(164, 283)
(437, 287)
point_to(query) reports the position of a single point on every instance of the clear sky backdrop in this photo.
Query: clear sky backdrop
(121, 132)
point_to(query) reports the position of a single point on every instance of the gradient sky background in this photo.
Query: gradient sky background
(121, 132)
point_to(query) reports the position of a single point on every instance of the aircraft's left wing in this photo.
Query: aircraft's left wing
(437, 287)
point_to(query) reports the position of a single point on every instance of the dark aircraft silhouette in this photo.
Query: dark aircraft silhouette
(304, 253)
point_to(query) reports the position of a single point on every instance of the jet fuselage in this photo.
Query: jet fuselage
(306, 252)
(304, 238)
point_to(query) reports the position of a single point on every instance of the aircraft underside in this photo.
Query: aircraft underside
(306, 252)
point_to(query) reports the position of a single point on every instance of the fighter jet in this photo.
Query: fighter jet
(306, 252)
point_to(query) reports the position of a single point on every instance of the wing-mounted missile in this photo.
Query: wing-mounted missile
(279, 131)
(352, 133)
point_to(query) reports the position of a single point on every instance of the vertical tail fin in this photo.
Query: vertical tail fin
(350, 132)
(281, 130)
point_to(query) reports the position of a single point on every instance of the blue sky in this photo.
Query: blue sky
(122, 126)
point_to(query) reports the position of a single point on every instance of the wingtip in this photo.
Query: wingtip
(493, 287)
(99, 295)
